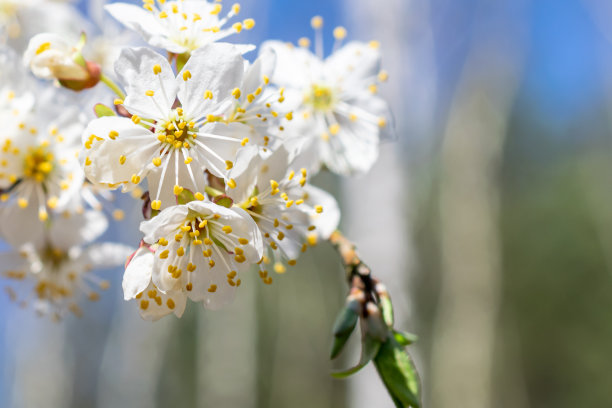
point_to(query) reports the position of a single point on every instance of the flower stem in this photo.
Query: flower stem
(113, 86)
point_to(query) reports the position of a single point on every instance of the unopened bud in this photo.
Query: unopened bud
(357, 294)
(374, 323)
(51, 56)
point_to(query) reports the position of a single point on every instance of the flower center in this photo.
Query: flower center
(177, 132)
(38, 163)
(54, 257)
(320, 97)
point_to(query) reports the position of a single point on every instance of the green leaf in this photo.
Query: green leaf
(398, 374)
(103, 110)
(186, 196)
(404, 338)
(369, 349)
(387, 310)
(344, 326)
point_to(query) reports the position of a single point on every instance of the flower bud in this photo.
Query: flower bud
(51, 56)
(374, 323)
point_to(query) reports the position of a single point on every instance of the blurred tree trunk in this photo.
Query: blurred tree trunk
(385, 193)
(40, 370)
(463, 352)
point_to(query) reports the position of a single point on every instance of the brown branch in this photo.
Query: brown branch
(358, 274)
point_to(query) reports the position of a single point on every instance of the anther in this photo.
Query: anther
(339, 33)
(249, 23)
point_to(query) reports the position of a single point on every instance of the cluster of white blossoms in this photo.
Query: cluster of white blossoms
(224, 150)
(48, 214)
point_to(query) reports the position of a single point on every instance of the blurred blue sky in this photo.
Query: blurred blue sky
(562, 66)
(563, 71)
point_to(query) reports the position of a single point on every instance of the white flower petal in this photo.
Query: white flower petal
(295, 66)
(22, 225)
(327, 221)
(353, 150)
(145, 24)
(215, 67)
(135, 70)
(161, 305)
(262, 67)
(137, 274)
(70, 230)
(217, 150)
(163, 224)
(354, 62)
(106, 255)
(244, 174)
(105, 167)
(13, 261)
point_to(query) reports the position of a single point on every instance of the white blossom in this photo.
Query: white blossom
(177, 130)
(59, 267)
(39, 169)
(338, 117)
(202, 250)
(290, 213)
(179, 26)
(260, 106)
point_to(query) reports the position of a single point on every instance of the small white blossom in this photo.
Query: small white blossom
(59, 266)
(39, 169)
(177, 130)
(202, 249)
(290, 213)
(260, 106)
(338, 116)
(179, 26)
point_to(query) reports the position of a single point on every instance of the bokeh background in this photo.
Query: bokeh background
(489, 218)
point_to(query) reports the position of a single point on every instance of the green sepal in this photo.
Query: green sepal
(369, 349)
(387, 310)
(181, 60)
(78, 56)
(223, 201)
(102, 110)
(82, 41)
(404, 338)
(343, 327)
(186, 196)
(398, 374)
